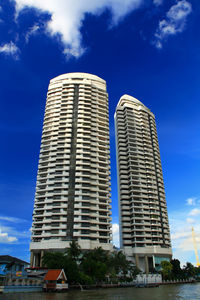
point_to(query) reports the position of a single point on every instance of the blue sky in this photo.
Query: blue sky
(149, 49)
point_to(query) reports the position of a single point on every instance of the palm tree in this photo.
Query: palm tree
(74, 251)
(54, 260)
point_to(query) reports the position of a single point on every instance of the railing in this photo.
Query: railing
(60, 286)
(56, 286)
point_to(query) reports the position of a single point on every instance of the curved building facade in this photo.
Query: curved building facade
(72, 200)
(144, 228)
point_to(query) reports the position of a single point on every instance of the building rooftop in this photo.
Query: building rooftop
(9, 259)
(132, 101)
(55, 275)
(78, 75)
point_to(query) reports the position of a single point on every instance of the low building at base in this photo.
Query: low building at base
(10, 265)
(55, 280)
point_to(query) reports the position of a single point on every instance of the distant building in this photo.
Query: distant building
(12, 265)
(144, 228)
(72, 199)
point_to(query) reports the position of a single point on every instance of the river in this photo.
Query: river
(166, 292)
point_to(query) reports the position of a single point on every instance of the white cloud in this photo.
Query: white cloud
(180, 10)
(174, 22)
(67, 16)
(21, 234)
(157, 2)
(194, 212)
(115, 233)
(10, 49)
(33, 30)
(179, 235)
(191, 201)
(12, 219)
(11, 230)
(14, 236)
(190, 221)
(181, 232)
(5, 238)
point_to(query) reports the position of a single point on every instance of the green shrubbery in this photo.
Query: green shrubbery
(173, 271)
(91, 267)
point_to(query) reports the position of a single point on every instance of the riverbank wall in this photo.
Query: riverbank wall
(20, 289)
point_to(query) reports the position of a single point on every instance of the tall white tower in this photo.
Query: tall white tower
(72, 199)
(144, 228)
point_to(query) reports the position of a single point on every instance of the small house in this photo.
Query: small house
(13, 266)
(55, 280)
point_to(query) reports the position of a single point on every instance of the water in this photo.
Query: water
(167, 292)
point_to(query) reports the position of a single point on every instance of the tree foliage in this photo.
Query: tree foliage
(54, 260)
(189, 270)
(95, 264)
(74, 250)
(166, 269)
(92, 266)
(177, 272)
(173, 270)
(98, 265)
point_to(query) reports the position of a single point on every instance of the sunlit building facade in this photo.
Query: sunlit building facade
(144, 228)
(72, 200)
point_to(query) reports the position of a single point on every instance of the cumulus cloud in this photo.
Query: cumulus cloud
(115, 233)
(174, 21)
(10, 49)
(191, 201)
(194, 212)
(5, 238)
(181, 235)
(67, 16)
(13, 230)
(181, 222)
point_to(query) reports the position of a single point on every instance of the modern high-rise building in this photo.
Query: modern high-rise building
(72, 200)
(144, 228)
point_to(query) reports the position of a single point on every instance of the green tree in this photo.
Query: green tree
(120, 263)
(74, 251)
(72, 270)
(197, 271)
(54, 260)
(166, 269)
(189, 270)
(177, 272)
(121, 267)
(92, 266)
(84, 279)
(72, 261)
(134, 271)
(95, 264)
(67, 261)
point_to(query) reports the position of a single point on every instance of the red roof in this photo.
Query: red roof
(54, 274)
